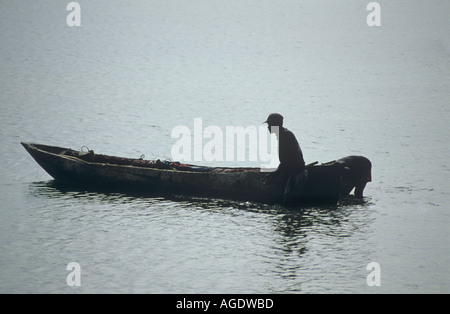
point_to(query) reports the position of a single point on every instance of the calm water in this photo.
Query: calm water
(123, 80)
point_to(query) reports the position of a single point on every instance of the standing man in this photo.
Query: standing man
(292, 164)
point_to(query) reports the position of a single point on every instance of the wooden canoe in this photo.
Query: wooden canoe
(161, 177)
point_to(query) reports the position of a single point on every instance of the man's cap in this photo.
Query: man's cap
(274, 119)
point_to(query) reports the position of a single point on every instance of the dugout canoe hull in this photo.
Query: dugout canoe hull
(155, 177)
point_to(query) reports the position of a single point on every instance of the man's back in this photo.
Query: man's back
(289, 152)
(292, 165)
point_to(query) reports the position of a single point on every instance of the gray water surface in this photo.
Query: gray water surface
(130, 73)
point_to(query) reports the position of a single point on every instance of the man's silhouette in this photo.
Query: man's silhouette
(292, 164)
